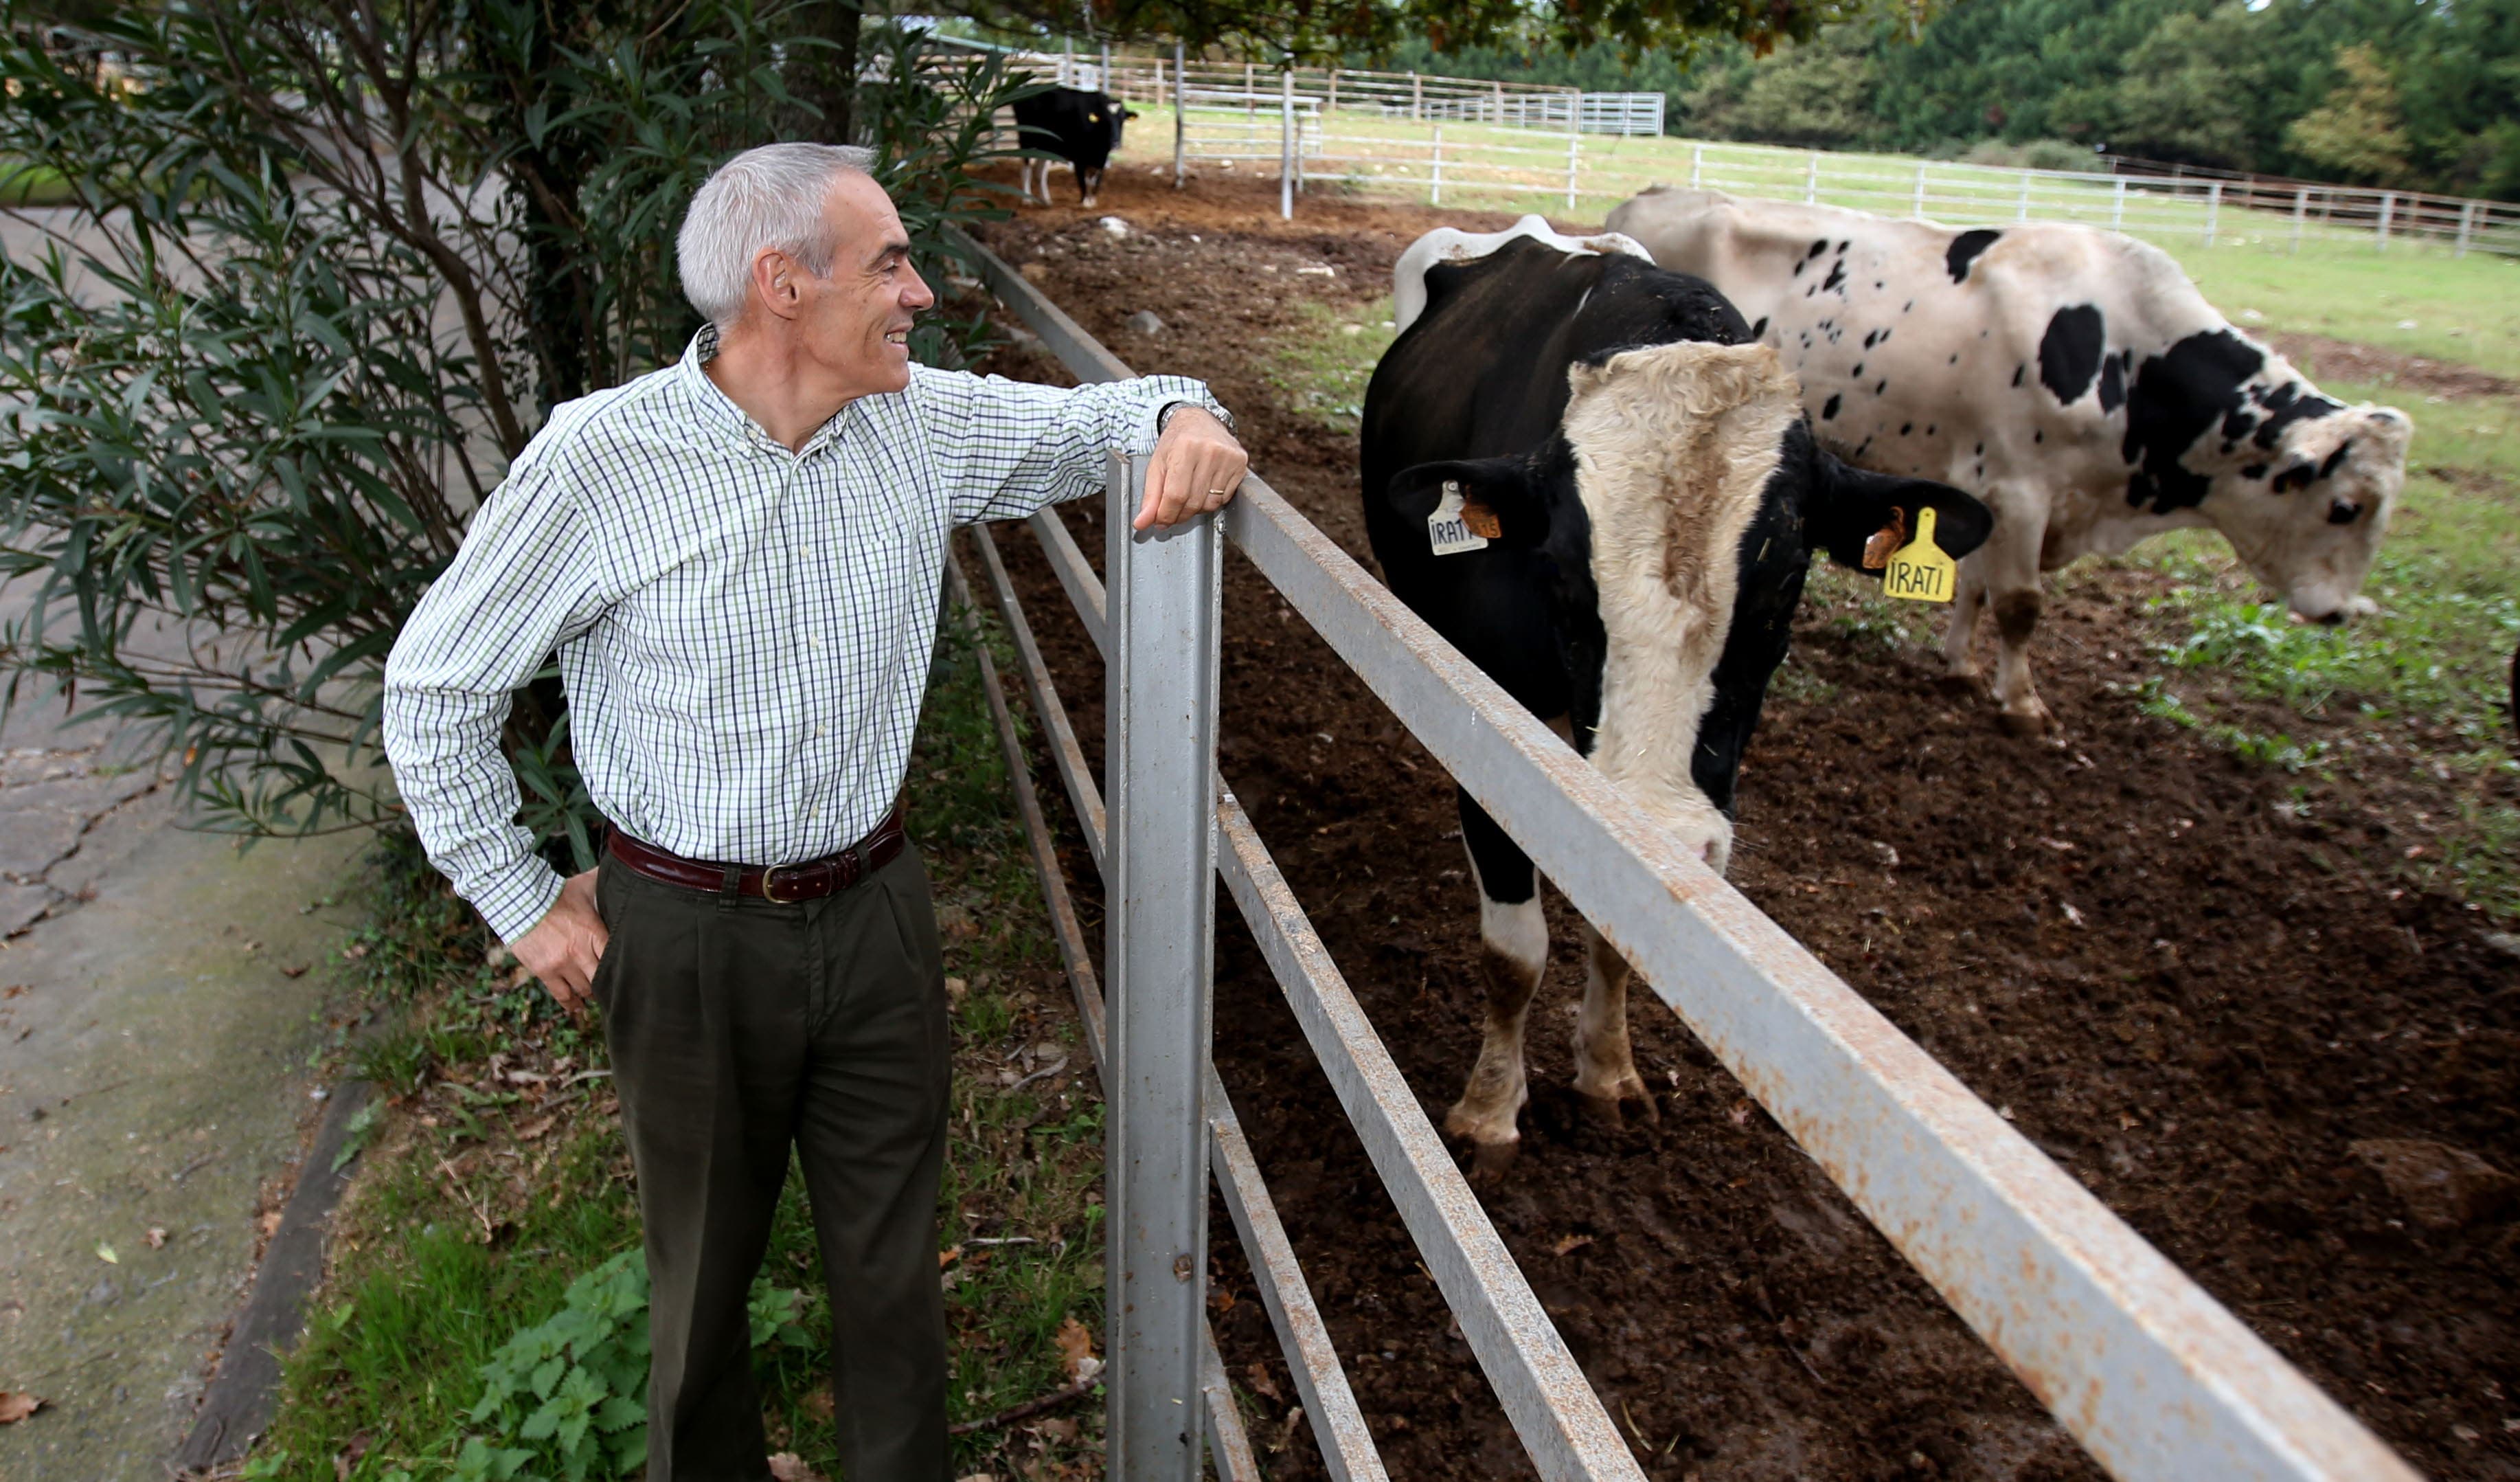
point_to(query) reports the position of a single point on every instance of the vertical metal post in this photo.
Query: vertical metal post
(2022, 213)
(1811, 181)
(1180, 113)
(2300, 215)
(2117, 204)
(1500, 104)
(1696, 165)
(1417, 97)
(1066, 62)
(1250, 86)
(1572, 141)
(1286, 145)
(2213, 211)
(1435, 184)
(1164, 597)
(1919, 210)
(2388, 208)
(1106, 86)
(2467, 227)
(1331, 107)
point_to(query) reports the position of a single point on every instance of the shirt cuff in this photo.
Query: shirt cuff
(516, 900)
(1165, 392)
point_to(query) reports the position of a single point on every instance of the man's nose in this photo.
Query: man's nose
(918, 295)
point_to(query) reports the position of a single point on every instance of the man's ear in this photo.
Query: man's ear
(1503, 486)
(1853, 503)
(778, 279)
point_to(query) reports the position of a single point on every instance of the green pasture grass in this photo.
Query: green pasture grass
(2418, 301)
(1323, 368)
(416, 1300)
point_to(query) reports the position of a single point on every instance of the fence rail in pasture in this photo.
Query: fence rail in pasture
(2146, 1369)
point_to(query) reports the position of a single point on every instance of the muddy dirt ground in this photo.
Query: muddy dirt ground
(2194, 983)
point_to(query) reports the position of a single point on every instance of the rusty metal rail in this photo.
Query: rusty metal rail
(2151, 1374)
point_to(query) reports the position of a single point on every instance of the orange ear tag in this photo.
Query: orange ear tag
(1886, 540)
(1921, 572)
(1481, 521)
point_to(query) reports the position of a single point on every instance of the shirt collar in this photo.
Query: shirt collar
(719, 411)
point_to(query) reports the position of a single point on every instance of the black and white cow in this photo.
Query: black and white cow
(2073, 378)
(1080, 127)
(1657, 498)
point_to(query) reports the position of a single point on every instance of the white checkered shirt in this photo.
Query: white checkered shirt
(743, 631)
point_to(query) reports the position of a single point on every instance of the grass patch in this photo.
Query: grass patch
(496, 1221)
(2418, 301)
(1321, 368)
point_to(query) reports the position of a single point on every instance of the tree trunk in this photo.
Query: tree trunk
(826, 77)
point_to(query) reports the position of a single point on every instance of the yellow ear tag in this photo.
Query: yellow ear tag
(1920, 572)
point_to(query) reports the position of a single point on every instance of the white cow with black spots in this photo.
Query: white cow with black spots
(2072, 378)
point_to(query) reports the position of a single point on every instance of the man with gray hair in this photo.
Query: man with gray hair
(738, 560)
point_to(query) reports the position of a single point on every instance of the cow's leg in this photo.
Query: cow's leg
(2012, 589)
(1606, 1069)
(1088, 184)
(1959, 662)
(1514, 936)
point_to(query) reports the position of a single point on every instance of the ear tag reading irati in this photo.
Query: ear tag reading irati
(1921, 572)
(1878, 549)
(1449, 529)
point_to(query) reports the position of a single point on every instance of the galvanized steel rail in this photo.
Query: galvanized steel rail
(2152, 1376)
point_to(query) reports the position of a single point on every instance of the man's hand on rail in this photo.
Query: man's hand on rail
(1197, 468)
(566, 944)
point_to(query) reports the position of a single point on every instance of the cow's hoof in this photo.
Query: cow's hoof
(2026, 723)
(1489, 1161)
(1631, 1107)
(1963, 686)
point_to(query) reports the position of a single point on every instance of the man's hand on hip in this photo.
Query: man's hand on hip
(565, 946)
(1197, 468)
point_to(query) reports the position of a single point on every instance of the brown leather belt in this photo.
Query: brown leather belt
(782, 884)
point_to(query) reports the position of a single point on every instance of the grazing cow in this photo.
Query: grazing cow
(1650, 497)
(1080, 127)
(2072, 378)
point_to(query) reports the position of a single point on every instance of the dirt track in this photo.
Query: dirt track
(2194, 987)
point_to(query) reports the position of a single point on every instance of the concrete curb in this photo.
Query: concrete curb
(242, 1397)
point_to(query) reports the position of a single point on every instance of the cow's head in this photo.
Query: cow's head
(1677, 510)
(1105, 116)
(2308, 513)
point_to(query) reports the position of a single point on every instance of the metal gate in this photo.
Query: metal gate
(2155, 1378)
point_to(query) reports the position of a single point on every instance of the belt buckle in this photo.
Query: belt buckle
(770, 884)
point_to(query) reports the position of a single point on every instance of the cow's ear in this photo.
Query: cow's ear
(1856, 503)
(1503, 486)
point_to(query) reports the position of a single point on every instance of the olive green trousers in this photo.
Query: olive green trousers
(739, 1029)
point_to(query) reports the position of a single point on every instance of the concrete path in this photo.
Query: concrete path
(157, 1019)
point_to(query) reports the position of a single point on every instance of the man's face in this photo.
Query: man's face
(856, 322)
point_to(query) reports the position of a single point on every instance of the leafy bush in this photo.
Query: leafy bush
(323, 273)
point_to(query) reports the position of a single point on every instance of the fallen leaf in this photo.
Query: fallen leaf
(294, 970)
(817, 1403)
(1076, 1352)
(15, 1407)
(157, 1237)
(788, 1466)
(354, 951)
(951, 1254)
(269, 1223)
(2071, 914)
(253, 946)
(1060, 1430)
(105, 1253)
(1570, 1242)
(536, 1127)
(16, 989)
(1262, 1383)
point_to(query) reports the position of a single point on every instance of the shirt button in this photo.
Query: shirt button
(818, 734)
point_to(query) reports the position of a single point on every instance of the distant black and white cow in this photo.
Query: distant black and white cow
(1080, 127)
(2073, 378)
(1657, 498)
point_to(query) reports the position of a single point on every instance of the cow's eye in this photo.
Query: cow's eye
(2343, 511)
